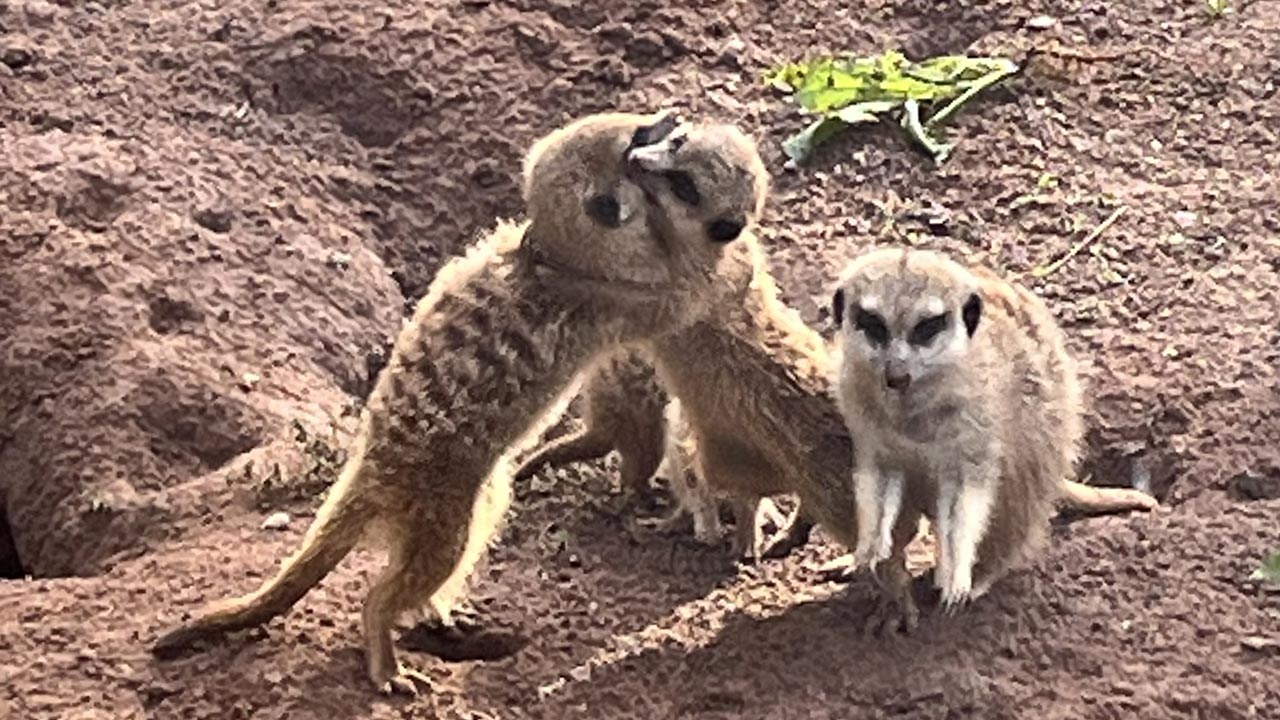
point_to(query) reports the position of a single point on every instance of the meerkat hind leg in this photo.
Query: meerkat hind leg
(746, 524)
(767, 513)
(692, 495)
(421, 561)
(637, 466)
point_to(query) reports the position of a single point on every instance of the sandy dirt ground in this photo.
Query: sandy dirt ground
(212, 215)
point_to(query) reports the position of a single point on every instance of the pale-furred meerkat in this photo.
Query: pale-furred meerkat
(496, 349)
(967, 408)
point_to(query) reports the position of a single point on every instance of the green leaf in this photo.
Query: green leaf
(1269, 572)
(849, 91)
(798, 147)
(918, 132)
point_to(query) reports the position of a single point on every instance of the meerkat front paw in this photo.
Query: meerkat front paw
(405, 681)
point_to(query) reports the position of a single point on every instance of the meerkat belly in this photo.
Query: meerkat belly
(479, 372)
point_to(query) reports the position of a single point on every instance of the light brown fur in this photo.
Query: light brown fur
(493, 353)
(620, 412)
(738, 374)
(751, 382)
(976, 425)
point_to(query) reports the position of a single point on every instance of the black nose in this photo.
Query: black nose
(897, 381)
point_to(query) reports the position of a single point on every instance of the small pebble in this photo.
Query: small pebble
(276, 521)
(339, 259)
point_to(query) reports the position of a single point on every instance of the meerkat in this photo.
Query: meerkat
(495, 350)
(737, 375)
(967, 408)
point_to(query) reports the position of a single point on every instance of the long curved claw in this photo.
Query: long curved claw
(405, 682)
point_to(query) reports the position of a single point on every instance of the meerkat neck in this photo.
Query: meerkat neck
(561, 278)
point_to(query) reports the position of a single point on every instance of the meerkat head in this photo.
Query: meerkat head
(906, 315)
(704, 180)
(601, 208)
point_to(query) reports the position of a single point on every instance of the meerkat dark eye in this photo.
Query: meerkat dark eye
(724, 230)
(971, 312)
(604, 209)
(871, 325)
(927, 329)
(683, 187)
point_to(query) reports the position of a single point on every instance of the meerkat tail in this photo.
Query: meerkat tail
(336, 530)
(1101, 500)
(973, 504)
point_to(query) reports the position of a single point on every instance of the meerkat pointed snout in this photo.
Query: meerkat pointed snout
(966, 405)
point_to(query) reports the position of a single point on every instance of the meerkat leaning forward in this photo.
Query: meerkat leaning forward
(494, 352)
(967, 408)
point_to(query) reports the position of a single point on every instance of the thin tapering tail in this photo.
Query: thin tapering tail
(334, 533)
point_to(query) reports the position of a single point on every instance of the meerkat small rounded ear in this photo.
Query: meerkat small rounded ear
(971, 312)
(837, 307)
(650, 134)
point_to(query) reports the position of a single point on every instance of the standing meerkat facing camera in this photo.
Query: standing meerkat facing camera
(492, 354)
(967, 407)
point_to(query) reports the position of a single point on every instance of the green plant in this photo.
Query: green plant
(1269, 571)
(850, 91)
(1218, 8)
